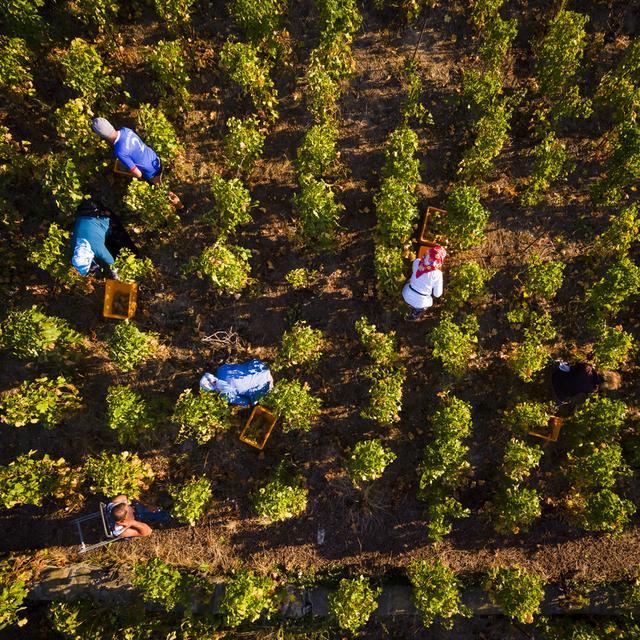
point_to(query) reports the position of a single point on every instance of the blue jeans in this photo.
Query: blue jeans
(150, 517)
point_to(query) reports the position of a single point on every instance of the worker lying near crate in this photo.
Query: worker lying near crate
(242, 384)
(131, 519)
(98, 236)
(569, 381)
(426, 282)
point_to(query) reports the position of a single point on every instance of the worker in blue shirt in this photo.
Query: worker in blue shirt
(140, 159)
(241, 384)
(98, 236)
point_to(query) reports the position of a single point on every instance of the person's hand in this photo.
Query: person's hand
(114, 273)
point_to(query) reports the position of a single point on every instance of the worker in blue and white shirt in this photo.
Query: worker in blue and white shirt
(426, 282)
(241, 384)
(132, 152)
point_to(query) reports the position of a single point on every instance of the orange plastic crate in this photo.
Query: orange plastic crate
(555, 424)
(258, 427)
(120, 299)
(425, 237)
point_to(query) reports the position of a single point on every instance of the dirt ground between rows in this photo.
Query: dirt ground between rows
(384, 527)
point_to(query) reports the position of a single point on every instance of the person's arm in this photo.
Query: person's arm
(134, 529)
(129, 164)
(136, 172)
(438, 285)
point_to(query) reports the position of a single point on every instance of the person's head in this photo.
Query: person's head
(208, 382)
(119, 512)
(611, 380)
(104, 129)
(434, 257)
(82, 257)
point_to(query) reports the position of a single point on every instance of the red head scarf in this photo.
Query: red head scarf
(431, 260)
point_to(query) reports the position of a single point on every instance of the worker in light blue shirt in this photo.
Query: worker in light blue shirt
(129, 148)
(98, 236)
(242, 384)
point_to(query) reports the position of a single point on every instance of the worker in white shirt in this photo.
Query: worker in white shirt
(426, 282)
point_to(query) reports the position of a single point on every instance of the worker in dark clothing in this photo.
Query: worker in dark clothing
(98, 236)
(569, 381)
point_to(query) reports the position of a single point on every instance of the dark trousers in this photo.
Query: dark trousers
(117, 237)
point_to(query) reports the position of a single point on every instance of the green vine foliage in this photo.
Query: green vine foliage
(159, 133)
(27, 480)
(245, 67)
(99, 13)
(262, 24)
(436, 593)
(381, 347)
(85, 72)
(442, 511)
(613, 347)
(317, 152)
(43, 401)
(466, 217)
(152, 204)
(23, 17)
(499, 35)
(283, 497)
(531, 355)
(368, 460)
(593, 466)
(484, 11)
(118, 473)
(243, 143)
(491, 132)
(519, 459)
(30, 334)
(558, 64)
(454, 344)
(127, 414)
(161, 583)
(175, 13)
(73, 124)
(231, 204)
(400, 160)
(190, 500)
(200, 416)
(607, 297)
(291, 402)
(550, 165)
(412, 107)
(302, 278)
(51, 256)
(226, 265)
(318, 211)
(467, 283)
(13, 593)
(300, 345)
(396, 212)
(353, 602)
(621, 233)
(321, 90)
(517, 592)
(385, 394)
(128, 346)
(623, 165)
(529, 416)
(515, 507)
(604, 511)
(542, 279)
(247, 597)
(597, 419)
(15, 66)
(169, 63)
(62, 180)
(131, 269)
(619, 88)
(389, 269)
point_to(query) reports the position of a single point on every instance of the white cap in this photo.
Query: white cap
(208, 382)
